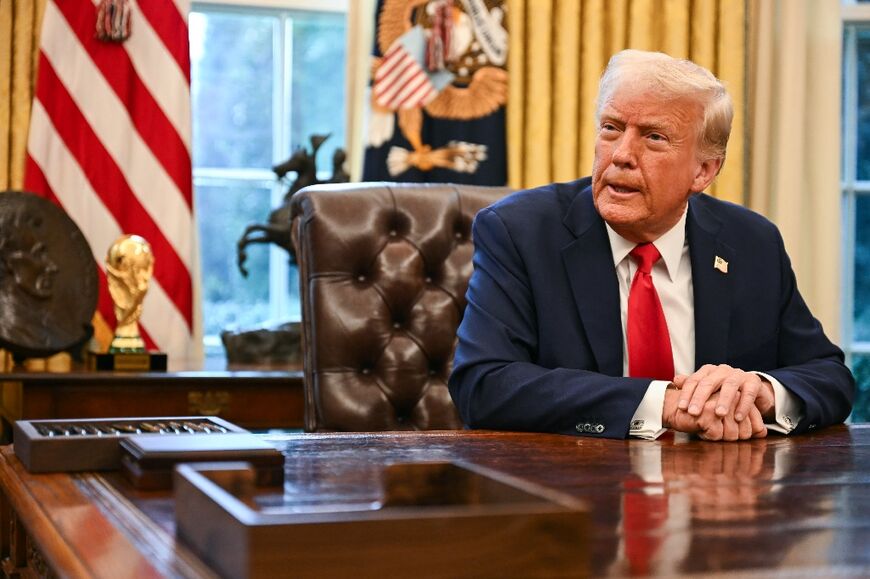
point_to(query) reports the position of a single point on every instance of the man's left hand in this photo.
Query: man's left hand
(732, 384)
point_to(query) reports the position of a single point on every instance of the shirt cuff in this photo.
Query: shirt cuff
(788, 408)
(647, 420)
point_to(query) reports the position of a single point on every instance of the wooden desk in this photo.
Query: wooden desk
(780, 507)
(252, 397)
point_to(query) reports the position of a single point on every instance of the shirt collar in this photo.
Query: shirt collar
(670, 245)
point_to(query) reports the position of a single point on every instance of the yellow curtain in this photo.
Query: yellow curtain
(795, 53)
(558, 50)
(20, 25)
(19, 51)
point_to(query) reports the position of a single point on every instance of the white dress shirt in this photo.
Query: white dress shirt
(672, 277)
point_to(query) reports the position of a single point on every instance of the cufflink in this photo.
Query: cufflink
(636, 425)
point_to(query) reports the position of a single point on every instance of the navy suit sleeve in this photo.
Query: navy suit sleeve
(497, 381)
(812, 367)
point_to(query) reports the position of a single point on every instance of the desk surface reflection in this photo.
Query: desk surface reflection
(674, 507)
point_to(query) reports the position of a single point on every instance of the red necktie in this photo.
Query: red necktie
(643, 516)
(649, 346)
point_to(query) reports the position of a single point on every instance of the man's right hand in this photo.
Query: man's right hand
(709, 425)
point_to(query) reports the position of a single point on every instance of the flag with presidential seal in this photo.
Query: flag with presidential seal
(438, 90)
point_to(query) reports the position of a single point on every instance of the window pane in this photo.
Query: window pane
(862, 266)
(861, 369)
(228, 299)
(317, 96)
(863, 157)
(232, 78)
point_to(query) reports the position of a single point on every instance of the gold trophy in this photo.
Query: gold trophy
(129, 267)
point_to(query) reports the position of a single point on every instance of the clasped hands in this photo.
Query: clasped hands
(719, 403)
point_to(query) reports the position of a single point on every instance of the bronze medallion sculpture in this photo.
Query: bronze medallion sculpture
(48, 278)
(129, 267)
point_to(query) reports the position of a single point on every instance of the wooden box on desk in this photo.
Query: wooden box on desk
(147, 462)
(84, 452)
(435, 520)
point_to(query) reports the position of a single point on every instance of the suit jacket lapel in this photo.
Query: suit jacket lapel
(589, 266)
(711, 286)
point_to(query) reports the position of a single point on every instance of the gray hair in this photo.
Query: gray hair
(674, 77)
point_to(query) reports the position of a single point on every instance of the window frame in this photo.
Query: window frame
(853, 16)
(280, 302)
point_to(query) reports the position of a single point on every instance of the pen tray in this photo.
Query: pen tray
(94, 444)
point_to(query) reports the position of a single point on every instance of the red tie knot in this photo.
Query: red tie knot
(645, 255)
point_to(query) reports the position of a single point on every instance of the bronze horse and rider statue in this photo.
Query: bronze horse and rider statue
(277, 230)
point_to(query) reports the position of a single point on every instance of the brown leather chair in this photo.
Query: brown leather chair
(383, 269)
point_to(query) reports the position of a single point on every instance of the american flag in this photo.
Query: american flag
(401, 81)
(109, 141)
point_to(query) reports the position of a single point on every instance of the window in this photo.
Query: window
(265, 75)
(856, 200)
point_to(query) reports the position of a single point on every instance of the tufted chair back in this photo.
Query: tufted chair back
(383, 269)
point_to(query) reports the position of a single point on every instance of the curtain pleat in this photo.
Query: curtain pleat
(360, 39)
(19, 50)
(540, 91)
(566, 81)
(516, 117)
(564, 47)
(795, 122)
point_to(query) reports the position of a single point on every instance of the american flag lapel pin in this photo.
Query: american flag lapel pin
(720, 264)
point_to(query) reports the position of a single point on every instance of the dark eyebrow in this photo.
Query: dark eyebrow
(656, 127)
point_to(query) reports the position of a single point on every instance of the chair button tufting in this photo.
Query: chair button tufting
(366, 371)
(396, 325)
(360, 278)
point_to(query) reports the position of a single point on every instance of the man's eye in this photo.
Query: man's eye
(657, 137)
(608, 127)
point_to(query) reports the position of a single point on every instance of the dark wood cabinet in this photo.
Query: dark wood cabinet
(250, 396)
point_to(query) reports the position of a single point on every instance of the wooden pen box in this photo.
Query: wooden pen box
(434, 520)
(93, 444)
(148, 461)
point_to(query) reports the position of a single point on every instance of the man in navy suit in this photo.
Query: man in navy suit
(570, 329)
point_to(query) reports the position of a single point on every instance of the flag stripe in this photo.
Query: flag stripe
(389, 62)
(61, 169)
(416, 88)
(169, 84)
(393, 80)
(99, 167)
(34, 179)
(110, 141)
(408, 72)
(108, 118)
(161, 319)
(61, 172)
(115, 65)
(170, 26)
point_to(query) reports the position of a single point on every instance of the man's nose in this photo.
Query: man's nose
(625, 151)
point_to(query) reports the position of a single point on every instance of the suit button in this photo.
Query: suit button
(811, 426)
(599, 428)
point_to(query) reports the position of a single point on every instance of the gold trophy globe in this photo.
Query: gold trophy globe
(129, 267)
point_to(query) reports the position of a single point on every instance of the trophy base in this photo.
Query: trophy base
(127, 344)
(128, 361)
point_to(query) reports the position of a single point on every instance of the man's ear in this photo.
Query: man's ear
(706, 172)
